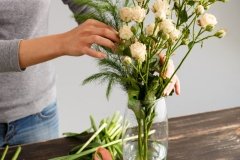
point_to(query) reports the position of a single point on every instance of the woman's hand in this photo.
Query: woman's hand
(175, 83)
(76, 42)
(79, 40)
(103, 153)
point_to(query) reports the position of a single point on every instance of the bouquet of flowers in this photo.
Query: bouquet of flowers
(141, 61)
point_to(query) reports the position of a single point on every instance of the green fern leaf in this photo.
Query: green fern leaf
(110, 64)
(109, 87)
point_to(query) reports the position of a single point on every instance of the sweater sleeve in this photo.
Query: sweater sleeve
(76, 9)
(9, 56)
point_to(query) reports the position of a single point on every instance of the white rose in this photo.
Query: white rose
(150, 29)
(125, 32)
(199, 10)
(175, 34)
(126, 14)
(166, 26)
(138, 51)
(207, 20)
(161, 15)
(161, 5)
(127, 60)
(138, 14)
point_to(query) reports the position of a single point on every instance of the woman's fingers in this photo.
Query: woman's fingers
(105, 32)
(94, 53)
(177, 86)
(102, 154)
(174, 84)
(96, 39)
(170, 87)
(78, 41)
(162, 58)
(170, 66)
(170, 69)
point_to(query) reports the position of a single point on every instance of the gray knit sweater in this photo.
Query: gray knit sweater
(27, 92)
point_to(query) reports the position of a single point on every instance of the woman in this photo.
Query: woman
(28, 111)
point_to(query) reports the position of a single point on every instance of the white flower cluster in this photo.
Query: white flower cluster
(136, 14)
(163, 24)
(169, 29)
(150, 29)
(161, 9)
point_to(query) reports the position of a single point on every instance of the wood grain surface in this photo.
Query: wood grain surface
(206, 136)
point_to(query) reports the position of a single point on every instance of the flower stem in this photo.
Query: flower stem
(140, 139)
(75, 156)
(16, 154)
(4, 153)
(145, 140)
(204, 38)
(93, 136)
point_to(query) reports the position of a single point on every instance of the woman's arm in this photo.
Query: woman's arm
(76, 42)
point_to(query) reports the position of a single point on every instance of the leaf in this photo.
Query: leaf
(191, 3)
(104, 10)
(93, 123)
(109, 87)
(85, 16)
(112, 64)
(102, 75)
(134, 104)
(183, 16)
(127, 52)
(176, 6)
(135, 29)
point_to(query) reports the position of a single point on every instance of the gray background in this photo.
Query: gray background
(209, 78)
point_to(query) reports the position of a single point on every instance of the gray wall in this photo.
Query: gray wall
(209, 79)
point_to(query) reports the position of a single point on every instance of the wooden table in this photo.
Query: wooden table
(206, 136)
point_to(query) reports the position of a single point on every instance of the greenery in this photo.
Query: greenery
(135, 65)
(108, 135)
(15, 156)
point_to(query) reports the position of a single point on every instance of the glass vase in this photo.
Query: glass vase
(145, 137)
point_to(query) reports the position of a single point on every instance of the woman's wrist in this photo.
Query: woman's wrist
(60, 42)
(34, 51)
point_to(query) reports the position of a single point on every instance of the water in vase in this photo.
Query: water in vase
(157, 151)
